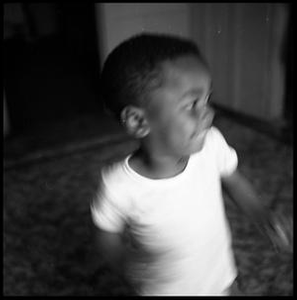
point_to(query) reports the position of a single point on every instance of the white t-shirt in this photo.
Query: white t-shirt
(182, 218)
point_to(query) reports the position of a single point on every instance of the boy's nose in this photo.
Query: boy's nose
(207, 112)
(206, 116)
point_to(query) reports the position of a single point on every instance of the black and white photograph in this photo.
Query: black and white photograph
(147, 149)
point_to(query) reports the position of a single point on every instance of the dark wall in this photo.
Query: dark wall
(51, 63)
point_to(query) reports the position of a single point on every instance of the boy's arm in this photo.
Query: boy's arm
(242, 192)
(118, 251)
(110, 246)
(244, 195)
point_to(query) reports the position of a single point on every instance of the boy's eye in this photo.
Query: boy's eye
(199, 101)
(191, 105)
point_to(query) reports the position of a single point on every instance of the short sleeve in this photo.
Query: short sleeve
(106, 211)
(226, 156)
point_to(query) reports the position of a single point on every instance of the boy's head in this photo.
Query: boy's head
(133, 68)
(144, 78)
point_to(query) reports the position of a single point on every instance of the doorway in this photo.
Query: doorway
(288, 60)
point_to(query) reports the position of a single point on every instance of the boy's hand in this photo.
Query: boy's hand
(279, 230)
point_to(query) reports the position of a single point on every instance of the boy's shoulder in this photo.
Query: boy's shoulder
(214, 133)
(215, 143)
(113, 175)
(214, 137)
(112, 170)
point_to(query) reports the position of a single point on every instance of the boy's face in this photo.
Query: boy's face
(179, 115)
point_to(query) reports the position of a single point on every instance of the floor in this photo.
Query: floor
(51, 171)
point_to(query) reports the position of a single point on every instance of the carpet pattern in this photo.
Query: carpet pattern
(48, 246)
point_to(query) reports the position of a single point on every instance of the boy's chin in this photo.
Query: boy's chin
(198, 148)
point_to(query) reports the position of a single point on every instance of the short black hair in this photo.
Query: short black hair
(132, 68)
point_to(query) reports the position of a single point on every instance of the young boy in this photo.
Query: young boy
(160, 211)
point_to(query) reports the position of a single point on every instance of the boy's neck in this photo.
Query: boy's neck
(157, 167)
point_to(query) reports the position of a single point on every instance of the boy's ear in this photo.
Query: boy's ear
(134, 120)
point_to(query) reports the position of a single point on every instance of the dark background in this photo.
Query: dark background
(54, 76)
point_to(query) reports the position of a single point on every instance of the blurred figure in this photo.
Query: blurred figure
(159, 212)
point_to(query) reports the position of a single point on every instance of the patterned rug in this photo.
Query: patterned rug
(48, 246)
